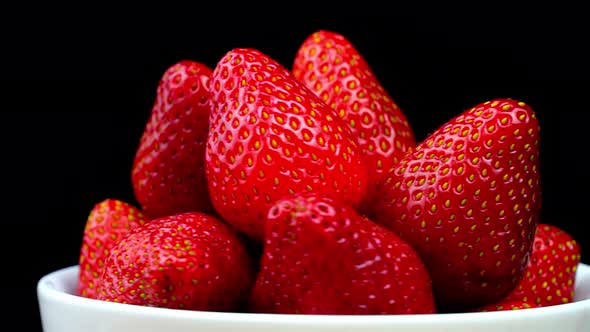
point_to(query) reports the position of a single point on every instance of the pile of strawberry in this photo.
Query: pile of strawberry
(304, 191)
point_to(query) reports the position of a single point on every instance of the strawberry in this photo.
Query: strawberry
(322, 257)
(107, 223)
(468, 199)
(189, 260)
(168, 173)
(509, 305)
(550, 275)
(333, 68)
(272, 137)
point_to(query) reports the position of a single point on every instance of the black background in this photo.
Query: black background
(78, 84)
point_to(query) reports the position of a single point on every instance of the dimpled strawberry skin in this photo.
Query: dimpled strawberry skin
(272, 137)
(333, 68)
(550, 276)
(322, 257)
(107, 223)
(508, 305)
(189, 261)
(468, 199)
(168, 173)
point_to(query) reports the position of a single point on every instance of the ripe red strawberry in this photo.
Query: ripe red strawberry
(332, 67)
(321, 257)
(273, 137)
(185, 261)
(509, 305)
(551, 271)
(107, 223)
(468, 199)
(168, 173)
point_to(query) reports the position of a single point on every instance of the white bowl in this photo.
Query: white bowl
(62, 311)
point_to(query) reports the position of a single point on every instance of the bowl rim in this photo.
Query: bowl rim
(47, 291)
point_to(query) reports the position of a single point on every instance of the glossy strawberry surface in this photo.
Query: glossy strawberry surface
(107, 223)
(332, 67)
(550, 276)
(189, 261)
(168, 173)
(468, 199)
(322, 257)
(272, 137)
(508, 305)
